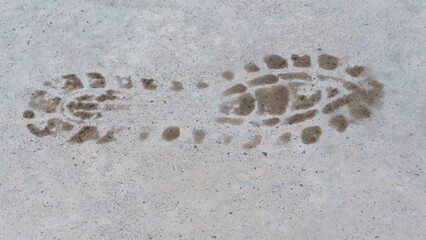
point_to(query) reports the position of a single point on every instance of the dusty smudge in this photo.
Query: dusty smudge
(374, 92)
(275, 62)
(53, 125)
(304, 102)
(270, 122)
(246, 104)
(29, 114)
(84, 134)
(198, 135)
(125, 82)
(332, 92)
(355, 71)
(263, 80)
(251, 67)
(144, 135)
(107, 138)
(227, 140)
(301, 117)
(236, 89)
(295, 75)
(325, 78)
(83, 115)
(98, 81)
(351, 86)
(201, 85)
(83, 98)
(301, 61)
(228, 120)
(328, 62)
(359, 111)
(338, 103)
(108, 96)
(72, 82)
(272, 100)
(253, 142)
(39, 102)
(360, 94)
(311, 134)
(285, 137)
(228, 75)
(226, 107)
(149, 84)
(171, 133)
(49, 84)
(57, 124)
(111, 107)
(39, 132)
(339, 122)
(73, 106)
(176, 86)
(67, 126)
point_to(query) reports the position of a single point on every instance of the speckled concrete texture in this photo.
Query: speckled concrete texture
(169, 154)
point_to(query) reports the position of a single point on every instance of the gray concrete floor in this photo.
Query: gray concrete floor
(239, 181)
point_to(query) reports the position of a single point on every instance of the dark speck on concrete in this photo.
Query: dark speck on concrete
(265, 154)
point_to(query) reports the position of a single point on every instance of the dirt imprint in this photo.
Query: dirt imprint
(271, 97)
(284, 94)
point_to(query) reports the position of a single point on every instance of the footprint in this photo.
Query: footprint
(70, 104)
(299, 93)
(298, 98)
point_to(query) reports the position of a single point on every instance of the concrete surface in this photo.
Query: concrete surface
(364, 183)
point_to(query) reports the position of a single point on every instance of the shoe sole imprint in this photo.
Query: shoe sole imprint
(69, 104)
(298, 96)
(272, 96)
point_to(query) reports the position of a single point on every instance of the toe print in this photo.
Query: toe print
(293, 100)
(81, 104)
